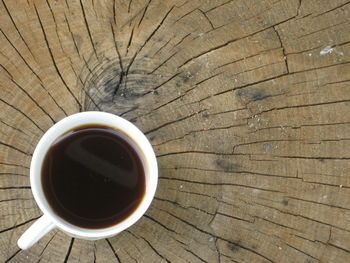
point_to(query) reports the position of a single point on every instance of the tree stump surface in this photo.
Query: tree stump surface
(245, 102)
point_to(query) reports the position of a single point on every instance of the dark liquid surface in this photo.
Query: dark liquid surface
(93, 177)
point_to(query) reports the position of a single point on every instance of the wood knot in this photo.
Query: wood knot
(115, 87)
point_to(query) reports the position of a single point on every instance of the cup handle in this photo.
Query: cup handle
(36, 231)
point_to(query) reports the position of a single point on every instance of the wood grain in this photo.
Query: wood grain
(245, 102)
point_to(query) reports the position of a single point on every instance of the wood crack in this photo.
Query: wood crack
(330, 10)
(72, 35)
(306, 254)
(148, 39)
(155, 250)
(303, 105)
(207, 18)
(236, 218)
(277, 224)
(42, 251)
(20, 55)
(159, 223)
(210, 234)
(265, 141)
(113, 250)
(18, 225)
(283, 50)
(69, 250)
(130, 40)
(181, 206)
(18, 31)
(195, 255)
(95, 252)
(318, 203)
(215, 7)
(14, 128)
(144, 12)
(181, 40)
(176, 98)
(14, 148)
(15, 187)
(88, 28)
(172, 122)
(33, 100)
(202, 152)
(302, 216)
(201, 130)
(163, 63)
(12, 256)
(218, 184)
(53, 99)
(54, 61)
(163, 46)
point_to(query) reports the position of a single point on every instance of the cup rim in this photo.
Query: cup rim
(110, 120)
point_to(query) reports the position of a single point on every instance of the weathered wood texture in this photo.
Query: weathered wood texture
(246, 103)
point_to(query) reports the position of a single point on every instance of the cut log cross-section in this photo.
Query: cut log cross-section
(245, 102)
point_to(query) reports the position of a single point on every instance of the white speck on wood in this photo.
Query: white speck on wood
(256, 191)
(330, 50)
(326, 50)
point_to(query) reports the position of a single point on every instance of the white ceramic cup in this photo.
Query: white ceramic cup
(50, 220)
